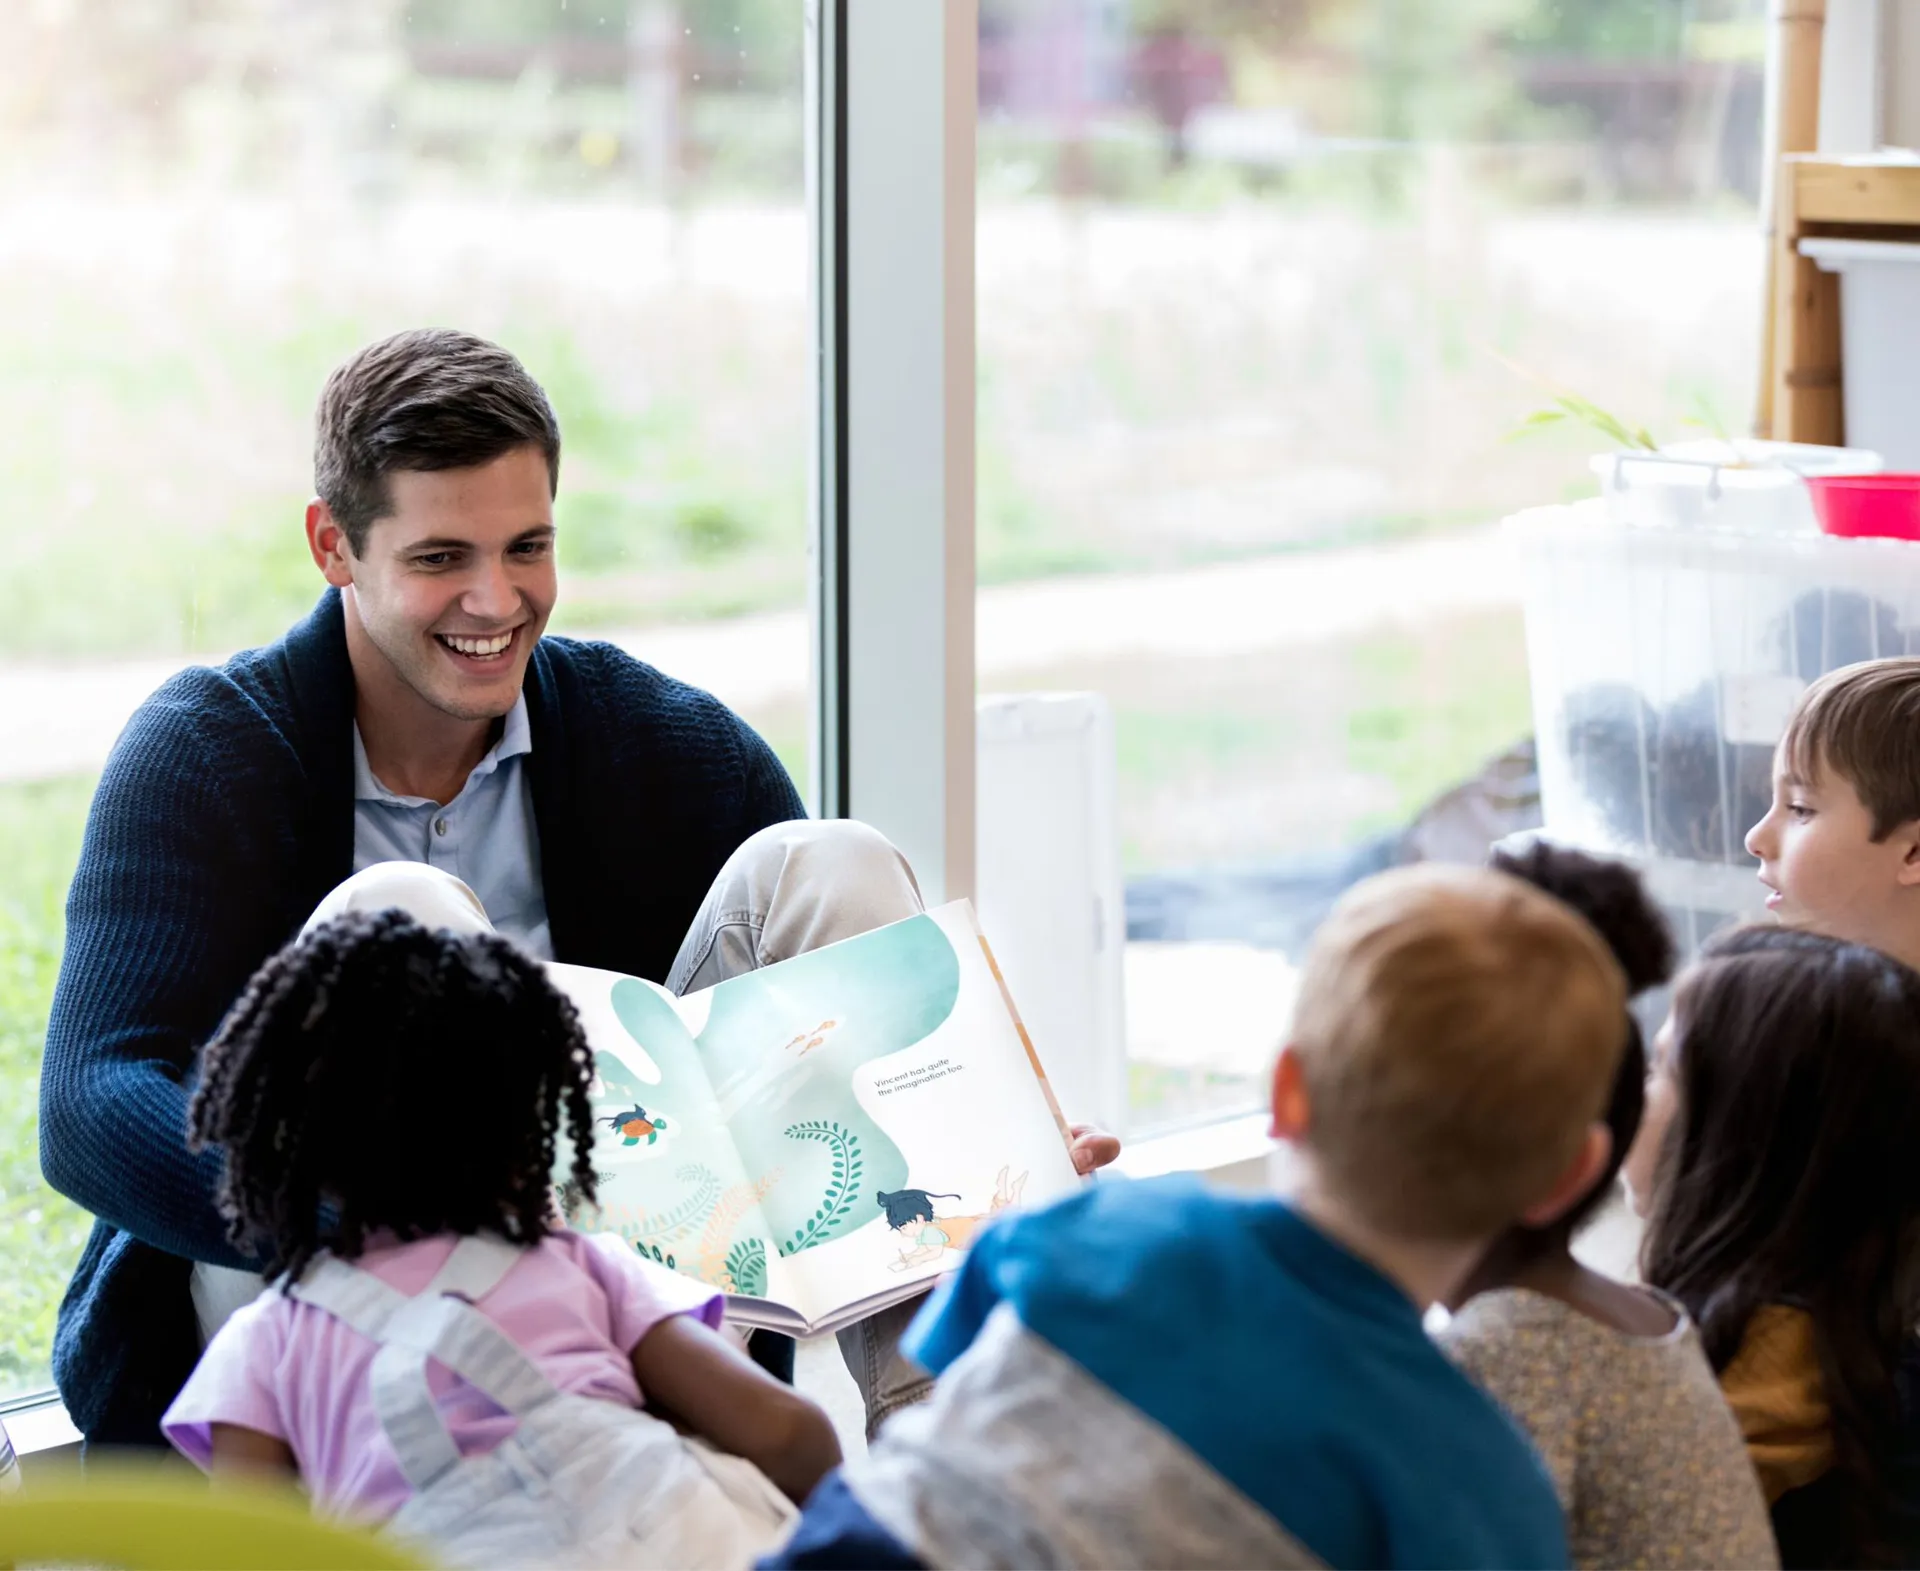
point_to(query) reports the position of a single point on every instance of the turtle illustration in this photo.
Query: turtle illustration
(636, 1124)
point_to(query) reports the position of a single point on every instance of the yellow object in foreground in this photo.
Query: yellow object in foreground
(146, 1521)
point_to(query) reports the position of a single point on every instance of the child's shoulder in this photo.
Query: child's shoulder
(265, 1322)
(1517, 1326)
(1173, 1214)
(562, 1264)
(1164, 1252)
(601, 1257)
(1513, 1321)
(629, 1277)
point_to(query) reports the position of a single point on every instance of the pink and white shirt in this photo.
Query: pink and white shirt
(576, 1304)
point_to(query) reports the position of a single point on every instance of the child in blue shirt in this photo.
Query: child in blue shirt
(1162, 1374)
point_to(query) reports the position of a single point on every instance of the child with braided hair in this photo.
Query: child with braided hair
(442, 1355)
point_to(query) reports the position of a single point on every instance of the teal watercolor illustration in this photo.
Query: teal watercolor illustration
(779, 1052)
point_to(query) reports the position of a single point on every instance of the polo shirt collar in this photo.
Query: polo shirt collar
(516, 738)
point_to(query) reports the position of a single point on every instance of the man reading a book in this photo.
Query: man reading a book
(595, 810)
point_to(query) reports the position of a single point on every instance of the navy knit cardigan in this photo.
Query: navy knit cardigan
(224, 815)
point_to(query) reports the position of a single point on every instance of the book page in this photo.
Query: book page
(884, 1104)
(670, 1181)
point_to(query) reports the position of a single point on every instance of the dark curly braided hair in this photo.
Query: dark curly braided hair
(1616, 905)
(379, 1075)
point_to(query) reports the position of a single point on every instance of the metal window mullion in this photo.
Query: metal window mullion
(893, 170)
(826, 201)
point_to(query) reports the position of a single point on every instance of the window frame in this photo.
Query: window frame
(891, 120)
(893, 89)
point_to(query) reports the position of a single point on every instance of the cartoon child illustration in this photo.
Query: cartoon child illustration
(910, 1215)
(635, 1125)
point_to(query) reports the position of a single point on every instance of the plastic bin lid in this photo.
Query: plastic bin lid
(1739, 464)
(1804, 457)
(1835, 256)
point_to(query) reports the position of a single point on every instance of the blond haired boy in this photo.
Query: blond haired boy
(1839, 849)
(1161, 1374)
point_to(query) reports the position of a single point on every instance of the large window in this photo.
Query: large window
(1264, 287)
(204, 205)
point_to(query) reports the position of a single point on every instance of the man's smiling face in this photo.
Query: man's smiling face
(456, 581)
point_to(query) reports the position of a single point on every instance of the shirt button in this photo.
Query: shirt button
(439, 826)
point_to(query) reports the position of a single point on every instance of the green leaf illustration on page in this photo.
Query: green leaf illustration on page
(842, 1189)
(657, 1255)
(747, 1265)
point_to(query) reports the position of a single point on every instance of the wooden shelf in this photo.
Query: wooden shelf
(1861, 199)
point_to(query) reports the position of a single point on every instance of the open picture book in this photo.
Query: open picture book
(820, 1138)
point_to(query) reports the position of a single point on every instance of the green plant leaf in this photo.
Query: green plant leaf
(1571, 407)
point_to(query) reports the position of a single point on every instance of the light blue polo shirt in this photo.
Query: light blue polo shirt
(486, 836)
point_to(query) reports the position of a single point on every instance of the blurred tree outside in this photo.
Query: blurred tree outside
(1406, 72)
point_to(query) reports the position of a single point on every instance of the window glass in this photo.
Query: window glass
(1265, 286)
(204, 206)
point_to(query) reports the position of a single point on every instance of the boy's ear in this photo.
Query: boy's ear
(1575, 1180)
(1291, 1111)
(1907, 838)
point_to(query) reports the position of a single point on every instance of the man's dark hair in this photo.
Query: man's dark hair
(426, 399)
(377, 1076)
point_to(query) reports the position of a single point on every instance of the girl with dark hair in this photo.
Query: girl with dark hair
(441, 1354)
(1610, 1380)
(1777, 1170)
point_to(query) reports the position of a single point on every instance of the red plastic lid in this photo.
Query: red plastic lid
(1868, 506)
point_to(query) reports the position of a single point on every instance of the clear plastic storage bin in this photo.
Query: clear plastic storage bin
(1664, 664)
